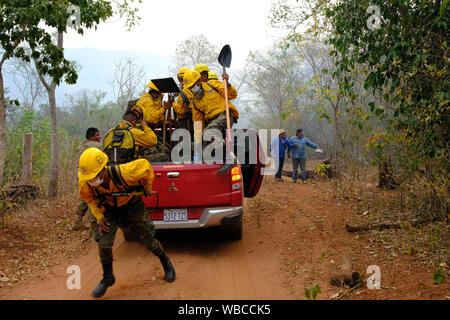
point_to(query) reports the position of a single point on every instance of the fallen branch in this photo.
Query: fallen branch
(382, 226)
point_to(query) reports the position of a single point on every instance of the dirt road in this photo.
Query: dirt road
(294, 237)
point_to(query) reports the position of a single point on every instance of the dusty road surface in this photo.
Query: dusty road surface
(294, 237)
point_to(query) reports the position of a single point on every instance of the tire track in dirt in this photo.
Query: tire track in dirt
(207, 268)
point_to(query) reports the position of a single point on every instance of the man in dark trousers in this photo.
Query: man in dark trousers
(278, 149)
(299, 141)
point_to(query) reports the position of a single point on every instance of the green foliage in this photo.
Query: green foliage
(28, 121)
(322, 169)
(312, 292)
(407, 60)
(85, 109)
(438, 276)
(29, 22)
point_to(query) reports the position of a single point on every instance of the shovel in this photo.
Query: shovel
(225, 61)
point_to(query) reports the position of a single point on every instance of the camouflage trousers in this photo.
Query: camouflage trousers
(135, 224)
(183, 124)
(82, 209)
(155, 154)
(218, 123)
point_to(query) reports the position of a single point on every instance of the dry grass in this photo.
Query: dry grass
(37, 236)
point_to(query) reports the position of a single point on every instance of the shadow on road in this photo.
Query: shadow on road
(195, 241)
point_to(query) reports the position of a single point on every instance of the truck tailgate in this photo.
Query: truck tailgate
(189, 185)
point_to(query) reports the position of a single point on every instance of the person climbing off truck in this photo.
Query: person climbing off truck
(114, 195)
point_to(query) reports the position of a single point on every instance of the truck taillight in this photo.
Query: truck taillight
(236, 178)
(235, 174)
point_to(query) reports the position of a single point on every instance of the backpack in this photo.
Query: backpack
(119, 145)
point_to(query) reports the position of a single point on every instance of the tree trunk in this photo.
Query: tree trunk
(336, 125)
(53, 183)
(27, 158)
(54, 149)
(2, 127)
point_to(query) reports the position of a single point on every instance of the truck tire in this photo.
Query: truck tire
(233, 233)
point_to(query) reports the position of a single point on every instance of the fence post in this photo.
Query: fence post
(27, 158)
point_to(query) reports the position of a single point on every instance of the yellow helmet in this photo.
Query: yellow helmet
(138, 111)
(212, 76)
(92, 161)
(201, 67)
(190, 78)
(151, 85)
(181, 72)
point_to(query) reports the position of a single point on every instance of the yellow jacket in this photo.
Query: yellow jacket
(180, 107)
(133, 173)
(144, 137)
(213, 102)
(153, 109)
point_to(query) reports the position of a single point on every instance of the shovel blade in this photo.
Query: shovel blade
(166, 85)
(225, 56)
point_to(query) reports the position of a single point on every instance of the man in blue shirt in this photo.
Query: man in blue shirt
(299, 142)
(278, 149)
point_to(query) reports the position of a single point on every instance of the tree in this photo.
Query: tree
(274, 79)
(399, 50)
(194, 50)
(404, 46)
(27, 82)
(87, 108)
(26, 23)
(128, 81)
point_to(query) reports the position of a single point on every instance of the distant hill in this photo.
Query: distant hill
(97, 68)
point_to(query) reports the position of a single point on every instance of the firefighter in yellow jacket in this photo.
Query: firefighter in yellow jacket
(209, 100)
(153, 107)
(143, 136)
(114, 208)
(183, 104)
(203, 70)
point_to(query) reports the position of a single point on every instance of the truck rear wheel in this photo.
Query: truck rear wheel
(233, 232)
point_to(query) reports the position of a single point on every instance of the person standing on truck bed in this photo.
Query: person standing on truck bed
(209, 101)
(153, 111)
(212, 76)
(93, 138)
(153, 107)
(116, 206)
(182, 106)
(203, 70)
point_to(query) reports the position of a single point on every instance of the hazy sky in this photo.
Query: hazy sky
(243, 24)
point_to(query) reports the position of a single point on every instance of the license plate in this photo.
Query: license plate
(175, 214)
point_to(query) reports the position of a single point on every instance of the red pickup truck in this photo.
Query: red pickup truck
(195, 196)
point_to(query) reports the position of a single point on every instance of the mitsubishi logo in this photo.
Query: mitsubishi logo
(172, 187)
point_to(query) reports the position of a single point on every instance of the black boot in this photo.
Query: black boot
(107, 281)
(169, 271)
